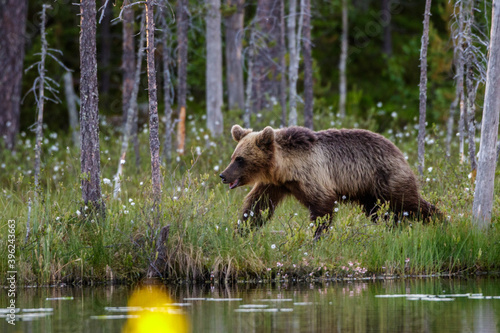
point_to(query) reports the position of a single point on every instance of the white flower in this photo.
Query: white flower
(336, 209)
(78, 213)
(216, 168)
(273, 246)
(429, 169)
(130, 200)
(379, 104)
(141, 183)
(106, 181)
(122, 161)
(394, 115)
(344, 197)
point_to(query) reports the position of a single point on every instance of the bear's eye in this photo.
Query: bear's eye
(239, 159)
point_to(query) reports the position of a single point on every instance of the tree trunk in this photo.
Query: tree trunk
(457, 35)
(182, 48)
(385, 19)
(250, 80)
(214, 69)
(154, 139)
(423, 88)
(72, 112)
(343, 59)
(89, 112)
(282, 64)
(469, 116)
(106, 42)
(234, 68)
(40, 99)
(131, 112)
(128, 58)
(293, 67)
(167, 146)
(308, 75)
(12, 25)
(483, 195)
(265, 69)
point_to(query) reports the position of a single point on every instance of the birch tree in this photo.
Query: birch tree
(89, 112)
(214, 68)
(423, 88)
(343, 59)
(282, 64)
(12, 40)
(154, 139)
(72, 112)
(167, 96)
(308, 74)
(131, 111)
(234, 68)
(294, 66)
(483, 195)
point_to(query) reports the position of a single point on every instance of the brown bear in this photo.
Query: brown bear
(320, 169)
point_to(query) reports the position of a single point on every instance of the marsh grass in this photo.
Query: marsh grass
(69, 243)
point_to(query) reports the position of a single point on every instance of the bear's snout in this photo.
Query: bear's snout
(222, 177)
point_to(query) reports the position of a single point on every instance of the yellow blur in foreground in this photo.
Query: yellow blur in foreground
(151, 310)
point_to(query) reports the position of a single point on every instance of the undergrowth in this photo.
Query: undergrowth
(68, 243)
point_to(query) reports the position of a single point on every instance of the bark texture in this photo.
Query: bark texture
(214, 69)
(423, 88)
(12, 26)
(483, 195)
(343, 60)
(40, 98)
(234, 68)
(128, 58)
(154, 139)
(265, 86)
(89, 112)
(72, 112)
(308, 74)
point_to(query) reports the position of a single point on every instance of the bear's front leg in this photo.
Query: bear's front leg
(323, 226)
(261, 198)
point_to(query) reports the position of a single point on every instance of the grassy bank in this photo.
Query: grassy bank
(68, 244)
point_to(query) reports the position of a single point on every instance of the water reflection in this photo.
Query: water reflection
(432, 305)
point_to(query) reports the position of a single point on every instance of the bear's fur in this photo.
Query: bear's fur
(320, 169)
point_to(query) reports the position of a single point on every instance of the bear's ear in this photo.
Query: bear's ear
(265, 138)
(239, 133)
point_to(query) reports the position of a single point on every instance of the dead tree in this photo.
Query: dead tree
(294, 66)
(343, 60)
(42, 84)
(89, 112)
(423, 88)
(154, 139)
(282, 64)
(167, 99)
(41, 97)
(484, 194)
(132, 107)
(308, 71)
(234, 68)
(72, 112)
(214, 69)
(12, 40)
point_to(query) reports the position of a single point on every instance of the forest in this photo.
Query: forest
(116, 120)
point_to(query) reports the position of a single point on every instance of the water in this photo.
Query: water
(428, 305)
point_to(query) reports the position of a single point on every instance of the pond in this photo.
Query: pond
(403, 305)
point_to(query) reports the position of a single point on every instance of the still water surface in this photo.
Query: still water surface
(411, 305)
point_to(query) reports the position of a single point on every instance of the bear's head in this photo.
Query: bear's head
(252, 159)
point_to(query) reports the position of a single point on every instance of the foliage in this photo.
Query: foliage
(68, 244)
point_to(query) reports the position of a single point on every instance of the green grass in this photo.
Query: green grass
(67, 243)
